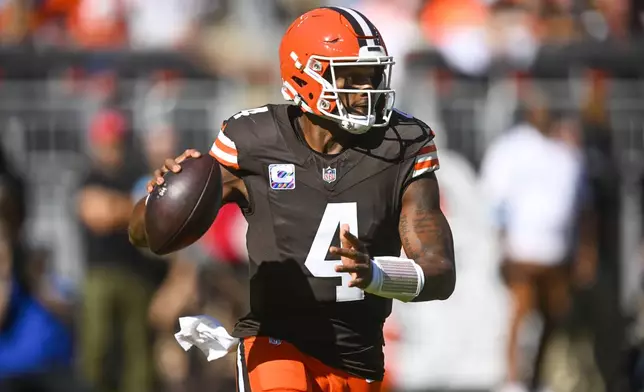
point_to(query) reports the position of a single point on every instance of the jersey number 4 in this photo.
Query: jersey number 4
(335, 214)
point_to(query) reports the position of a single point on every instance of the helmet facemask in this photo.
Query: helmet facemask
(380, 99)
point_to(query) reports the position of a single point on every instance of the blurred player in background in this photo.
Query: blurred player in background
(539, 204)
(331, 186)
(119, 283)
(36, 343)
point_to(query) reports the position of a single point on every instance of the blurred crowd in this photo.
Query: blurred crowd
(470, 34)
(542, 181)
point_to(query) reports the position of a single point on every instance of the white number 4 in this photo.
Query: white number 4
(335, 214)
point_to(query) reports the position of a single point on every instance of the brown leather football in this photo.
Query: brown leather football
(181, 210)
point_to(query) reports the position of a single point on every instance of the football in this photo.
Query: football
(181, 210)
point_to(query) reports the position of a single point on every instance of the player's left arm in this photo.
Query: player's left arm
(428, 272)
(427, 238)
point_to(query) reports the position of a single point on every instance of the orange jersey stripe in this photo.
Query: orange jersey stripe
(224, 148)
(426, 164)
(224, 162)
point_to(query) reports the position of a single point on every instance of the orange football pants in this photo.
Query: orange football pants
(266, 364)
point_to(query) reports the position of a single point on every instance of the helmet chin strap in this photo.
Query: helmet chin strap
(355, 128)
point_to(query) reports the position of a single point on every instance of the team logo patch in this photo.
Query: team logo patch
(274, 342)
(328, 174)
(282, 176)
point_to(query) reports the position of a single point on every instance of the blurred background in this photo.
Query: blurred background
(538, 110)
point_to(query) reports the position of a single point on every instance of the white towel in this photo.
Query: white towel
(207, 334)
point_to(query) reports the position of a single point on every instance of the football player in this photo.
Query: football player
(331, 186)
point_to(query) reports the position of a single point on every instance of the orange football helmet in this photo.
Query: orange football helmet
(314, 46)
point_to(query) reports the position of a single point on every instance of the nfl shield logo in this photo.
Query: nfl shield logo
(328, 174)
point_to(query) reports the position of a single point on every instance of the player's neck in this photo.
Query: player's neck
(322, 135)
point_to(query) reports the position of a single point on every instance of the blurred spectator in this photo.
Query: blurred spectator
(97, 24)
(35, 344)
(167, 24)
(397, 21)
(616, 14)
(471, 35)
(116, 291)
(458, 30)
(557, 24)
(599, 308)
(14, 22)
(224, 43)
(637, 18)
(532, 176)
(473, 38)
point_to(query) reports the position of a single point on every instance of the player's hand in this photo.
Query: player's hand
(173, 165)
(355, 258)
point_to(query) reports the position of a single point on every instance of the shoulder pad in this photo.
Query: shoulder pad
(421, 155)
(249, 120)
(413, 133)
(241, 134)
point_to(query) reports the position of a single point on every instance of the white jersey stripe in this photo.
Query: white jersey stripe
(427, 157)
(226, 141)
(240, 370)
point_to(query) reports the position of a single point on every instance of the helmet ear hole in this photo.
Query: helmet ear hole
(299, 81)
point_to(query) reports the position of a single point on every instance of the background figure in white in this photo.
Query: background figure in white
(532, 178)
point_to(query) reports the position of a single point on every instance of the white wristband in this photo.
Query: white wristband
(396, 278)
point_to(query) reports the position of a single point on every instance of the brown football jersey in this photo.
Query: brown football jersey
(298, 198)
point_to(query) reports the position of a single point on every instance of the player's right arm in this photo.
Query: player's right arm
(233, 191)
